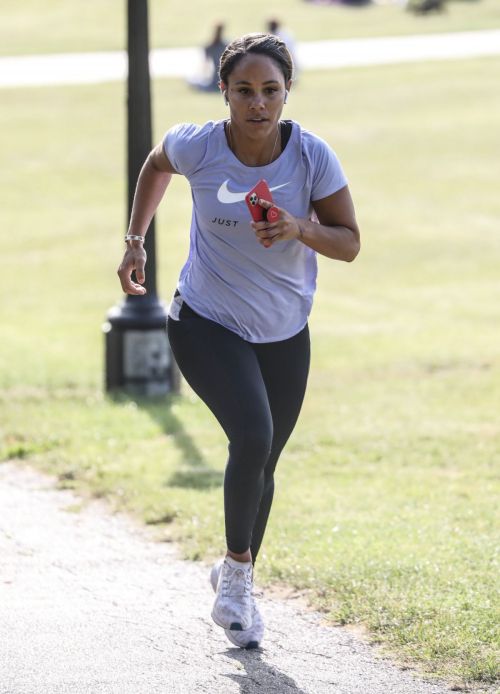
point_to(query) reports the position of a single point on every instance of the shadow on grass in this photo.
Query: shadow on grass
(194, 472)
(259, 675)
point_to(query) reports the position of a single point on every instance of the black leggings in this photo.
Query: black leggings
(256, 392)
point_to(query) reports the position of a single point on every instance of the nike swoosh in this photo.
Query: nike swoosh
(227, 197)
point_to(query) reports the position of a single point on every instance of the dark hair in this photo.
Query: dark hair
(263, 44)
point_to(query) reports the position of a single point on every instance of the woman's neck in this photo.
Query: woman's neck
(252, 152)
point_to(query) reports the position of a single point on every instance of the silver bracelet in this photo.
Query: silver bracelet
(134, 237)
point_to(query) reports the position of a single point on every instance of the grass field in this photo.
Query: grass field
(388, 492)
(54, 26)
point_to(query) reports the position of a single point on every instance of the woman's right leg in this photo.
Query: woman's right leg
(224, 371)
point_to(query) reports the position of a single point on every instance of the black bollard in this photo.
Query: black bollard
(139, 360)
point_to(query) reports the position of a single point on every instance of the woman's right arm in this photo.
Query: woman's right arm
(153, 180)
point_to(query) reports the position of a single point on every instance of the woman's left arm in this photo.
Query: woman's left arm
(335, 235)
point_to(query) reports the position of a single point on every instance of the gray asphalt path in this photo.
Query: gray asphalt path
(86, 68)
(89, 602)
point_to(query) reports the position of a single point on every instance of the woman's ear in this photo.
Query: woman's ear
(287, 90)
(223, 90)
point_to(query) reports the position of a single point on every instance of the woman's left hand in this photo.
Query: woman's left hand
(287, 227)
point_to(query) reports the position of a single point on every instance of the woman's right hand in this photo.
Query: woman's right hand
(134, 259)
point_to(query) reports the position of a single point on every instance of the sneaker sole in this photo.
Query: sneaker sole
(234, 626)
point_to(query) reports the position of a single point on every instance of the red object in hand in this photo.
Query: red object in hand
(261, 192)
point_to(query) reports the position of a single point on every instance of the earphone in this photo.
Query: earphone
(286, 96)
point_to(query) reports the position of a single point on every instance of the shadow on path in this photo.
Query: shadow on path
(260, 677)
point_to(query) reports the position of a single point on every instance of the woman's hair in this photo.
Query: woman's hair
(263, 44)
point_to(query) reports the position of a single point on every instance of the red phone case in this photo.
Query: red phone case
(259, 214)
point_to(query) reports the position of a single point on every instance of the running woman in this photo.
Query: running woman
(238, 319)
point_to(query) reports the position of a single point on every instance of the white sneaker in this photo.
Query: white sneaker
(233, 602)
(247, 638)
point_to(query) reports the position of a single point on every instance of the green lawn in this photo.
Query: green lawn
(58, 25)
(387, 494)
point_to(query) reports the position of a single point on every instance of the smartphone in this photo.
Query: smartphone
(259, 214)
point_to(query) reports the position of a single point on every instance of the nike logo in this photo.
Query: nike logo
(227, 197)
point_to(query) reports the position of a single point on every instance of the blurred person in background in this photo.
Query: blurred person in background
(238, 320)
(274, 27)
(212, 53)
(425, 6)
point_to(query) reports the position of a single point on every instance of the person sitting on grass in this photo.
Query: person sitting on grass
(425, 6)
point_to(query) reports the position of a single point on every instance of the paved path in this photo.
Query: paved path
(89, 603)
(85, 68)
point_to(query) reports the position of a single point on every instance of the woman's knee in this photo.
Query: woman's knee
(268, 489)
(251, 448)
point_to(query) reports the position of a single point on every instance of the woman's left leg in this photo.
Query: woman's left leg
(284, 366)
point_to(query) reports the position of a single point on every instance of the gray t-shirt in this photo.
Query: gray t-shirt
(262, 294)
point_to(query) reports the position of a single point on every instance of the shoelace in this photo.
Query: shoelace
(233, 579)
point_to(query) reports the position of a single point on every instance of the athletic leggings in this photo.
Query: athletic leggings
(256, 392)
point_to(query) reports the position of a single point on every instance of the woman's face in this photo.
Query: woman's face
(256, 92)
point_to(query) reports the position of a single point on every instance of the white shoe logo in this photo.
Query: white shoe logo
(227, 197)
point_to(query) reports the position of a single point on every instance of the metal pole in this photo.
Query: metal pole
(138, 355)
(139, 137)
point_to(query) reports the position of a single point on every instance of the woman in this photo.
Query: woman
(238, 321)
